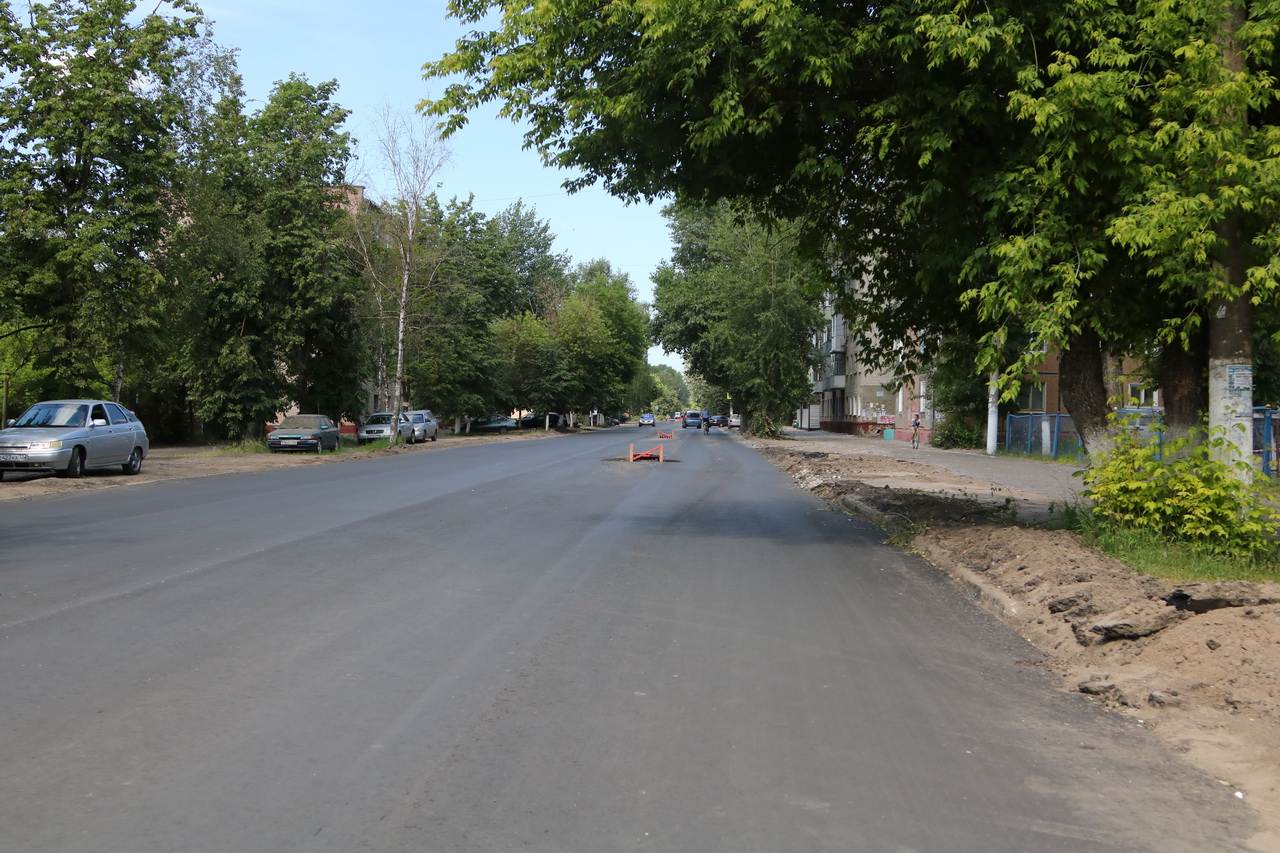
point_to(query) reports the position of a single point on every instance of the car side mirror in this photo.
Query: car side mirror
(98, 422)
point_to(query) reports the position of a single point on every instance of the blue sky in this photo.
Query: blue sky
(375, 50)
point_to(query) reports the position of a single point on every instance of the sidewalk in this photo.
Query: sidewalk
(1036, 486)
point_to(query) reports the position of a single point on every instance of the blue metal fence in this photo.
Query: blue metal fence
(1050, 434)
(1264, 438)
(1054, 434)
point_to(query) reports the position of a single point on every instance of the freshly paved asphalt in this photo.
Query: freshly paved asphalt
(534, 646)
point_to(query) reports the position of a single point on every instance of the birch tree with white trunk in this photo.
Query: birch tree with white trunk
(412, 156)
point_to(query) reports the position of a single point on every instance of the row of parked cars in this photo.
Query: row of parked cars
(70, 437)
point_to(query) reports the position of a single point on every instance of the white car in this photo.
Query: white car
(735, 420)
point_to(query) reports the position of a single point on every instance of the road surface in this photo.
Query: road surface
(535, 646)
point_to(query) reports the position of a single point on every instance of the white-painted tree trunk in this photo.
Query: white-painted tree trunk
(401, 321)
(993, 412)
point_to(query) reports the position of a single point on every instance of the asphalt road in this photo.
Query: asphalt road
(535, 646)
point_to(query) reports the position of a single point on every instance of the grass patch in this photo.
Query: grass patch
(241, 448)
(356, 447)
(1152, 554)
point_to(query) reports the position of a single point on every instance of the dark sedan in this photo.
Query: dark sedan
(315, 433)
(493, 423)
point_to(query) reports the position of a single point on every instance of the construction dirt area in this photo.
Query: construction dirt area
(1197, 663)
(177, 463)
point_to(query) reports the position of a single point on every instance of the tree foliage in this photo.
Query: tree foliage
(740, 303)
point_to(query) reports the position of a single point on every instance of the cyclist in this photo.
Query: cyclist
(915, 431)
(706, 423)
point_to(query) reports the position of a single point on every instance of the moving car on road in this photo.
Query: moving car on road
(493, 423)
(69, 437)
(314, 433)
(378, 426)
(425, 425)
(691, 419)
(647, 419)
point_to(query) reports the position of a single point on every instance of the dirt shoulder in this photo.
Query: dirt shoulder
(177, 463)
(1197, 663)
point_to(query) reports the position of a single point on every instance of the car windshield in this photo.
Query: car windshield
(54, 415)
(419, 419)
(300, 422)
(379, 419)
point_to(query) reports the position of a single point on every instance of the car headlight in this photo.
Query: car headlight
(45, 445)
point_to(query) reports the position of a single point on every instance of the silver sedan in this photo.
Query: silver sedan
(378, 426)
(69, 437)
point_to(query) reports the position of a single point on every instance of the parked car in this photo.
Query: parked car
(425, 425)
(691, 419)
(304, 432)
(735, 421)
(719, 420)
(69, 437)
(647, 419)
(538, 420)
(378, 426)
(493, 423)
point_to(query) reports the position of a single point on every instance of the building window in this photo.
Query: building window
(1032, 398)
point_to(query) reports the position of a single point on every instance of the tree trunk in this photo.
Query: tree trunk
(993, 412)
(119, 383)
(1084, 390)
(400, 328)
(1183, 387)
(1231, 319)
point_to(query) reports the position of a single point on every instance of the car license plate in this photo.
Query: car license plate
(288, 442)
(12, 457)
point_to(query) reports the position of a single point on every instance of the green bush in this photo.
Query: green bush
(1189, 495)
(954, 432)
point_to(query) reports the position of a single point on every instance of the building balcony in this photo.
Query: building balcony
(829, 383)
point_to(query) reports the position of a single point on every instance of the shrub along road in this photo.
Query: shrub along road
(535, 646)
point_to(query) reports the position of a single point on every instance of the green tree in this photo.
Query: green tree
(674, 380)
(87, 154)
(300, 154)
(743, 313)
(526, 361)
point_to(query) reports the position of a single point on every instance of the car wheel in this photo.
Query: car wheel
(134, 465)
(502, 430)
(435, 435)
(75, 467)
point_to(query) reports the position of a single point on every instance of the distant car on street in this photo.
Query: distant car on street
(315, 433)
(735, 421)
(425, 425)
(69, 437)
(691, 419)
(647, 419)
(493, 423)
(378, 426)
(719, 420)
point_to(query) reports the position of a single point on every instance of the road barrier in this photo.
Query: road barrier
(658, 453)
(662, 434)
